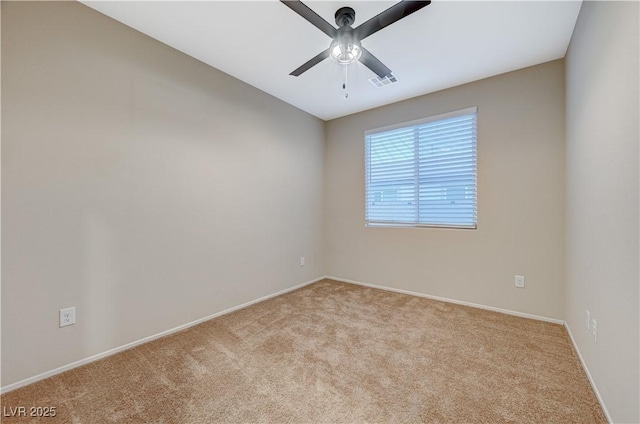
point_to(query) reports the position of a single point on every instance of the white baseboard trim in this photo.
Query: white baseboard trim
(47, 374)
(445, 299)
(586, 370)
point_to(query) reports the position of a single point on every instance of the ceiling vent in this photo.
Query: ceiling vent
(381, 82)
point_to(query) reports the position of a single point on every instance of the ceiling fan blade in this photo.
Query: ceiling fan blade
(311, 16)
(311, 63)
(389, 16)
(372, 62)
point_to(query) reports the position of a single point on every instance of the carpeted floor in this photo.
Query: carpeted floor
(332, 352)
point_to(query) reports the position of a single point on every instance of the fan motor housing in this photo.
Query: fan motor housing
(345, 16)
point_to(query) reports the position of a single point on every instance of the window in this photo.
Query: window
(422, 173)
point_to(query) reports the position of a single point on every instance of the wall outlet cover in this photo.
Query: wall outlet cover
(67, 316)
(587, 320)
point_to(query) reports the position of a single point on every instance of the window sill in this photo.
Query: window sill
(438, 226)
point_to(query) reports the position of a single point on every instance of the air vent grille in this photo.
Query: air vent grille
(381, 82)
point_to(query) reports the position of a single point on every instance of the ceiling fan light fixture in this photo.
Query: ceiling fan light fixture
(345, 52)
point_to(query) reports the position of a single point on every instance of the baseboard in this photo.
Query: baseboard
(47, 374)
(586, 370)
(445, 299)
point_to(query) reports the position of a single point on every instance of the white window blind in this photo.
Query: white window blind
(423, 173)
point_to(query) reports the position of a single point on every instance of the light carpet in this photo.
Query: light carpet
(332, 352)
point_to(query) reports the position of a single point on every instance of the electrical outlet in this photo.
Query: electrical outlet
(67, 316)
(594, 330)
(519, 281)
(587, 320)
(302, 261)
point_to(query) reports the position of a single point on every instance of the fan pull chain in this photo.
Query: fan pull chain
(344, 84)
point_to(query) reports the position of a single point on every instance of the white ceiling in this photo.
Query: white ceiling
(445, 44)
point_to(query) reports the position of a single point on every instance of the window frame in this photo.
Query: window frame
(396, 224)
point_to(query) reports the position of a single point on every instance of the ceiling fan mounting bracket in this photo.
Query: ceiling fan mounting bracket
(345, 16)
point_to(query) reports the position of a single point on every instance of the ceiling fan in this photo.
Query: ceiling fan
(346, 47)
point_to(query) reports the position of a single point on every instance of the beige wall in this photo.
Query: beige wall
(520, 200)
(140, 186)
(602, 199)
